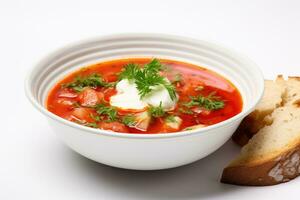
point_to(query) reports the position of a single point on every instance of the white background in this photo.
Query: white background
(34, 164)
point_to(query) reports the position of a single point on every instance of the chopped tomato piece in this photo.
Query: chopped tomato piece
(88, 97)
(114, 126)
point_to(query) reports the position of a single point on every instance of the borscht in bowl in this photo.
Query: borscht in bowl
(144, 101)
(144, 95)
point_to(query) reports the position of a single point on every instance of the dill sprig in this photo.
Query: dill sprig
(170, 118)
(157, 111)
(93, 80)
(108, 111)
(129, 72)
(129, 120)
(91, 124)
(147, 77)
(211, 102)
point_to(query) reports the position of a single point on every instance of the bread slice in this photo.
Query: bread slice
(292, 85)
(272, 99)
(272, 155)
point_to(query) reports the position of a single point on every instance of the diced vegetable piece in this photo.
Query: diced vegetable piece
(194, 127)
(200, 110)
(82, 114)
(173, 122)
(142, 120)
(114, 126)
(88, 97)
(65, 101)
(65, 92)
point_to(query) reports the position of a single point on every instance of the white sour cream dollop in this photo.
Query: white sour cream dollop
(128, 97)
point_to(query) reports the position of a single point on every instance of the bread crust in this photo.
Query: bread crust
(281, 169)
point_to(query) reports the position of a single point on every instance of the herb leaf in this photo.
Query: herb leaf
(129, 120)
(154, 66)
(97, 118)
(148, 77)
(91, 124)
(211, 102)
(129, 72)
(171, 90)
(157, 111)
(170, 118)
(93, 80)
(108, 111)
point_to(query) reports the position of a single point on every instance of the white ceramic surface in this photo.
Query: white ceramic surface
(142, 151)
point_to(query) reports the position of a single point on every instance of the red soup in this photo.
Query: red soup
(143, 95)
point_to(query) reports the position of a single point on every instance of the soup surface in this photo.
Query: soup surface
(144, 95)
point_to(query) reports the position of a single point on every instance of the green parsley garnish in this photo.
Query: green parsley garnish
(129, 120)
(93, 80)
(147, 77)
(109, 111)
(129, 72)
(92, 125)
(211, 102)
(157, 111)
(97, 118)
(88, 124)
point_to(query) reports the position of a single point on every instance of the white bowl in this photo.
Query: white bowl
(144, 151)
